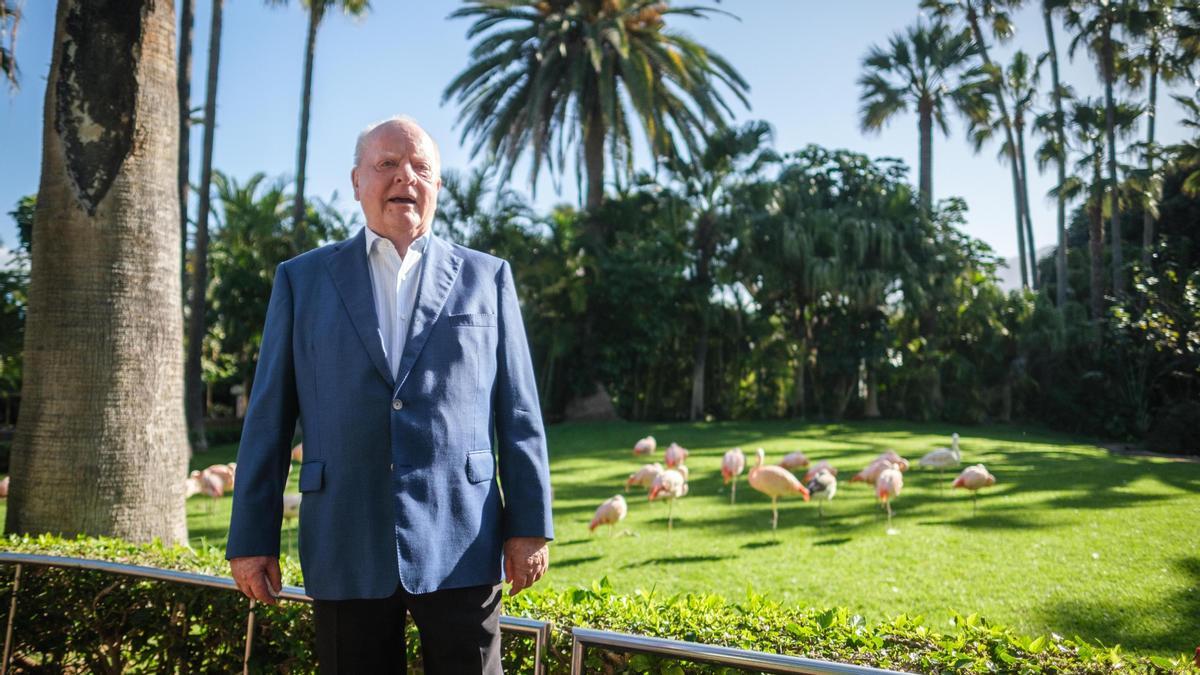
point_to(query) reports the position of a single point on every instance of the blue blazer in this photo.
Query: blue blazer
(417, 477)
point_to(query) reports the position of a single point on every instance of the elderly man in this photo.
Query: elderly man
(405, 359)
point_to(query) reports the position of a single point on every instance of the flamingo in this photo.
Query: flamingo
(225, 472)
(943, 458)
(211, 485)
(298, 453)
(891, 456)
(871, 473)
(645, 446)
(644, 476)
(794, 460)
(4, 488)
(610, 512)
(973, 478)
(732, 466)
(191, 485)
(887, 488)
(825, 485)
(291, 510)
(675, 455)
(821, 465)
(774, 482)
(669, 485)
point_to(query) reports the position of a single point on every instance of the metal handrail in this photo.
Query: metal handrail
(539, 630)
(722, 656)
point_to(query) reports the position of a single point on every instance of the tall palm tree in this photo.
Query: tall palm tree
(1093, 23)
(187, 11)
(995, 13)
(731, 158)
(10, 20)
(1056, 129)
(1187, 154)
(1087, 122)
(1154, 56)
(196, 328)
(925, 69)
(317, 9)
(552, 76)
(101, 442)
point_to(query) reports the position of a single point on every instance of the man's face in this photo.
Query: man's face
(397, 180)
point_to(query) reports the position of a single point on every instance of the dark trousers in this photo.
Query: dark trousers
(459, 629)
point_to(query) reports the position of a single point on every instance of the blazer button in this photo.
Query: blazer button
(397, 404)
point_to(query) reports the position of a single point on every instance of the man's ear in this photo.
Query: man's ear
(354, 182)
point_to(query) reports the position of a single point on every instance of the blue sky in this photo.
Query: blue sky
(801, 58)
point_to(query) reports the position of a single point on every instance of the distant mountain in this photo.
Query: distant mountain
(1009, 273)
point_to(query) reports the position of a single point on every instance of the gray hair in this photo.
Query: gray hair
(394, 119)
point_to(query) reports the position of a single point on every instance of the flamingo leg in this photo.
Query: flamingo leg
(889, 512)
(974, 502)
(774, 513)
(733, 492)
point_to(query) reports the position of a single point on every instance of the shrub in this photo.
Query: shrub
(73, 620)
(1175, 431)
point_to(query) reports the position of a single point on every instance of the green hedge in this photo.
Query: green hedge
(72, 620)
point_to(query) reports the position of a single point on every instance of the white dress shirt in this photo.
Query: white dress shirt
(394, 281)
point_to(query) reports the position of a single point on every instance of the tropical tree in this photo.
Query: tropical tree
(476, 211)
(549, 76)
(1058, 135)
(995, 13)
(196, 328)
(317, 9)
(1187, 154)
(14, 294)
(10, 19)
(1093, 24)
(731, 158)
(101, 445)
(926, 68)
(187, 12)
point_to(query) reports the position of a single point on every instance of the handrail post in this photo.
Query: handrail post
(249, 639)
(576, 654)
(12, 612)
(541, 642)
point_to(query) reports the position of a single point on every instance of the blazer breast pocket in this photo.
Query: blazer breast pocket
(481, 320)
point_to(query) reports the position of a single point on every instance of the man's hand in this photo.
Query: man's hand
(525, 561)
(257, 577)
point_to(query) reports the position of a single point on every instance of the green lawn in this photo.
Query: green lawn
(1071, 539)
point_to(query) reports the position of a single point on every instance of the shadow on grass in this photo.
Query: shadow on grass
(674, 560)
(1096, 618)
(837, 541)
(558, 564)
(754, 545)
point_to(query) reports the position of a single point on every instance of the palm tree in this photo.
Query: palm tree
(1093, 23)
(317, 9)
(184, 86)
(196, 329)
(1187, 154)
(974, 13)
(1154, 57)
(924, 68)
(1087, 121)
(470, 217)
(548, 75)
(101, 442)
(10, 20)
(1060, 144)
(731, 158)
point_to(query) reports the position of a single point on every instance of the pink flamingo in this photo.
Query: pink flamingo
(823, 486)
(4, 488)
(774, 482)
(973, 478)
(871, 473)
(675, 455)
(644, 476)
(669, 485)
(822, 465)
(225, 472)
(894, 458)
(732, 466)
(794, 460)
(645, 446)
(610, 512)
(887, 488)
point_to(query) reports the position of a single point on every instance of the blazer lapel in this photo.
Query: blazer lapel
(438, 274)
(352, 277)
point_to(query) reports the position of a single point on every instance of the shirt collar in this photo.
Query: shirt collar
(417, 245)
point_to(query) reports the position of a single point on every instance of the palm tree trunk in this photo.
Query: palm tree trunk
(1096, 241)
(871, 411)
(699, 363)
(101, 444)
(184, 85)
(1006, 120)
(199, 306)
(1110, 114)
(1033, 268)
(926, 132)
(1147, 219)
(593, 157)
(1060, 258)
(316, 10)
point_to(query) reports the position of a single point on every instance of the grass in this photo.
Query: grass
(1071, 539)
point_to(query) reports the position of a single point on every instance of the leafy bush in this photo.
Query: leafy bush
(73, 620)
(1175, 431)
